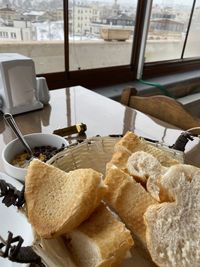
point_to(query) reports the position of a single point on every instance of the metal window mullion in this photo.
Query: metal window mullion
(144, 39)
(188, 29)
(66, 34)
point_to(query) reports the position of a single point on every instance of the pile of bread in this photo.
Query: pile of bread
(146, 200)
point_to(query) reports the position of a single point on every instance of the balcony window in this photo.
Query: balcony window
(167, 30)
(69, 41)
(36, 33)
(105, 43)
(192, 47)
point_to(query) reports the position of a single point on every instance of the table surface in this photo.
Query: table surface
(102, 116)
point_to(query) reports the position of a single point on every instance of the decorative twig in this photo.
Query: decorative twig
(17, 253)
(11, 196)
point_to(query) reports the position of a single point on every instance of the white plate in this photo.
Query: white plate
(15, 222)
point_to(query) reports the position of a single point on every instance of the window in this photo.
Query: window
(192, 47)
(109, 42)
(99, 42)
(173, 63)
(167, 30)
(13, 35)
(39, 27)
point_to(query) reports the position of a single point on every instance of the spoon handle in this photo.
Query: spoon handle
(11, 122)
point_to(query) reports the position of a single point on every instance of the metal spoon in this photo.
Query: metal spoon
(11, 122)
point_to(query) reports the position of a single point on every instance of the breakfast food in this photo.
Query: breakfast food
(132, 143)
(132, 177)
(43, 153)
(129, 200)
(100, 241)
(143, 161)
(147, 170)
(119, 159)
(155, 196)
(173, 226)
(56, 201)
(53, 252)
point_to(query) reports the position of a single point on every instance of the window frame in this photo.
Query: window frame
(94, 78)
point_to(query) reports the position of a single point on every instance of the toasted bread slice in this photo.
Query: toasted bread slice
(129, 200)
(57, 201)
(173, 227)
(100, 241)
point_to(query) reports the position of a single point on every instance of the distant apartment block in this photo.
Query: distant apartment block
(81, 17)
(7, 15)
(21, 31)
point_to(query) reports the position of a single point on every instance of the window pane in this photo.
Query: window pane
(34, 29)
(168, 26)
(192, 48)
(101, 33)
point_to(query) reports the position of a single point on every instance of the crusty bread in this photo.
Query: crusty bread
(53, 252)
(142, 165)
(142, 160)
(129, 200)
(130, 142)
(119, 159)
(57, 201)
(100, 241)
(173, 227)
(147, 169)
(168, 183)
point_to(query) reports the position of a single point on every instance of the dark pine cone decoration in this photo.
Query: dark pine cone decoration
(13, 250)
(11, 196)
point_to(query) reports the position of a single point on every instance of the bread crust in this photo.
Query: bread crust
(129, 200)
(130, 145)
(57, 201)
(107, 233)
(119, 159)
(130, 142)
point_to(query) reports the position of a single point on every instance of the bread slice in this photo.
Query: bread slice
(143, 161)
(53, 252)
(129, 200)
(119, 159)
(142, 165)
(130, 142)
(57, 201)
(173, 227)
(146, 169)
(100, 241)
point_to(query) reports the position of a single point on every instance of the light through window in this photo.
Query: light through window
(168, 26)
(34, 29)
(192, 47)
(101, 33)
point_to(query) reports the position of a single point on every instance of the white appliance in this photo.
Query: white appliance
(18, 84)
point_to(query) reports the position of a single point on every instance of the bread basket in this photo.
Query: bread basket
(95, 152)
(92, 153)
